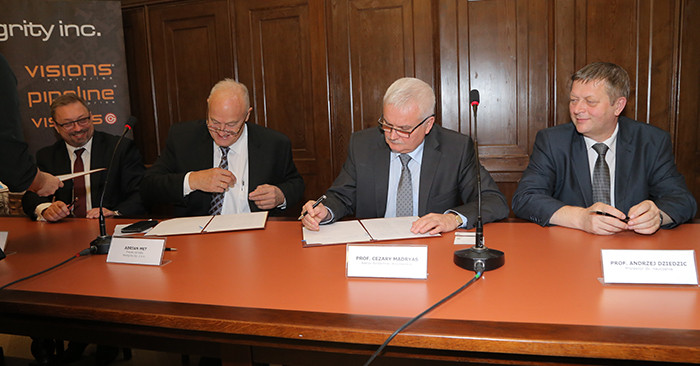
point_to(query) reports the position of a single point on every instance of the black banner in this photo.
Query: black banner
(57, 47)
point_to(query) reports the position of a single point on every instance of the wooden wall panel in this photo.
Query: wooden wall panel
(140, 90)
(371, 44)
(688, 112)
(191, 51)
(283, 65)
(318, 69)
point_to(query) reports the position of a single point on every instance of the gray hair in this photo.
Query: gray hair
(232, 86)
(409, 91)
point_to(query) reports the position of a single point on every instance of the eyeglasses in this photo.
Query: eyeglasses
(387, 128)
(225, 128)
(82, 122)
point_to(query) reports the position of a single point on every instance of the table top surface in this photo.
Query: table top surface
(551, 275)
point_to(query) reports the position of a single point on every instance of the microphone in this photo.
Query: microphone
(101, 244)
(478, 258)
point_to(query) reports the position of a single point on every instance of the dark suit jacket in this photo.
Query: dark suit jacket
(559, 174)
(447, 178)
(190, 148)
(122, 192)
(17, 169)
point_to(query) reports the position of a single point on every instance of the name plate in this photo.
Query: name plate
(669, 267)
(136, 251)
(387, 261)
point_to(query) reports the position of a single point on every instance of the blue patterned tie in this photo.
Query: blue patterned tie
(217, 199)
(404, 193)
(601, 175)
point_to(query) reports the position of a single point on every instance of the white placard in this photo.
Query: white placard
(3, 239)
(466, 237)
(671, 267)
(136, 251)
(387, 261)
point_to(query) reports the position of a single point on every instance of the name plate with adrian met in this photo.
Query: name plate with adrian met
(665, 267)
(387, 261)
(136, 251)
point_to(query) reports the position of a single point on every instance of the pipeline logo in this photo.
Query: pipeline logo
(110, 118)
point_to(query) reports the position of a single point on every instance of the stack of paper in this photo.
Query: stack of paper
(357, 231)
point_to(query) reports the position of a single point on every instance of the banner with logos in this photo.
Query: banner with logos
(65, 46)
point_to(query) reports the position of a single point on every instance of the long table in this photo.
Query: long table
(259, 296)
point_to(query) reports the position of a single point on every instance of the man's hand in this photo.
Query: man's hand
(212, 180)
(435, 223)
(644, 218)
(266, 196)
(45, 184)
(95, 213)
(314, 215)
(585, 219)
(56, 211)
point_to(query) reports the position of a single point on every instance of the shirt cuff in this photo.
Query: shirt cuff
(283, 205)
(39, 209)
(186, 185)
(331, 219)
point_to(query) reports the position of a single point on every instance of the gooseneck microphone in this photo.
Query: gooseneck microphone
(100, 245)
(478, 258)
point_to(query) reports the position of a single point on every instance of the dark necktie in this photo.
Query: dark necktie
(601, 175)
(404, 193)
(217, 199)
(80, 208)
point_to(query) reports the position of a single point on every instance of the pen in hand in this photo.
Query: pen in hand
(318, 201)
(603, 213)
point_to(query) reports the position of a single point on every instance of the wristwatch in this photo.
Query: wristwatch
(458, 219)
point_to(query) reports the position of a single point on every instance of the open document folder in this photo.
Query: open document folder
(210, 224)
(357, 231)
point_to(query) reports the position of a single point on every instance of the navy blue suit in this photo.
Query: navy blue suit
(558, 174)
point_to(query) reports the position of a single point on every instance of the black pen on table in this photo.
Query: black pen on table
(603, 213)
(318, 201)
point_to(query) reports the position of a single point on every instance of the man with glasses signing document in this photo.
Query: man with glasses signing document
(224, 165)
(81, 148)
(410, 166)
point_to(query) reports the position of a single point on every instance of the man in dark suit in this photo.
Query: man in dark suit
(81, 144)
(223, 165)
(637, 187)
(17, 168)
(408, 144)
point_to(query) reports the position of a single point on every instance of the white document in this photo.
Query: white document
(340, 232)
(66, 177)
(392, 228)
(242, 221)
(208, 224)
(343, 232)
(180, 225)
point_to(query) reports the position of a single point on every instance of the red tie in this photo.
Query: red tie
(80, 208)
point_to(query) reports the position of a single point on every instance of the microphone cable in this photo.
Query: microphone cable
(83, 252)
(408, 323)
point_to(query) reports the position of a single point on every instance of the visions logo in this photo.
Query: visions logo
(44, 32)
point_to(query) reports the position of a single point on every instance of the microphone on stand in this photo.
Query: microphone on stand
(478, 258)
(100, 245)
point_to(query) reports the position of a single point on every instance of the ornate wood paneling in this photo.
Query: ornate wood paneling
(191, 51)
(281, 58)
(371, 44)
(501, 48)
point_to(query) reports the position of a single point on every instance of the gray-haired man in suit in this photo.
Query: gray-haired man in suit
(410, 166)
